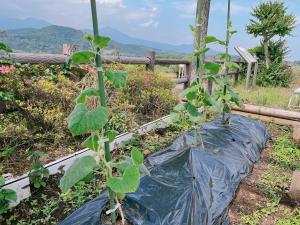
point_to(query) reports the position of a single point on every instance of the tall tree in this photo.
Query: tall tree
(270, 19)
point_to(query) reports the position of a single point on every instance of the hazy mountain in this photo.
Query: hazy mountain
(36, 35)
(126, 39)
(51, 39)
(12, 23)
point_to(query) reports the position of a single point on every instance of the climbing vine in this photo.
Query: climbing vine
(91, 117)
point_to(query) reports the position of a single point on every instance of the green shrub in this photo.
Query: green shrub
(279, 74)
(277, 51)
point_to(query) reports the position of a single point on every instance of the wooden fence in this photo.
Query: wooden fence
(149, 61)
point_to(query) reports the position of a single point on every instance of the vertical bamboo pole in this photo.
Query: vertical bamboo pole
(226, 51)
(102, 98)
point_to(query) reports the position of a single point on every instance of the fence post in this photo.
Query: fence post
(188, 75)
(151, 56)
(68, 49)
(238, 71)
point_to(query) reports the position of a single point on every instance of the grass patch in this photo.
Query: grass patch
(274, 97)
(286, 153)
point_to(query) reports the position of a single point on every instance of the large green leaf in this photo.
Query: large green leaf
(78, 171)
(82, 121)
(212, 39)
(92, 142)
(128, 183)
(89, 92)
(137, 156)
(101, 41)
(9, 195)
(117, 78)
(82, 57)
(2, 181)
(212, 67)
(192, 110)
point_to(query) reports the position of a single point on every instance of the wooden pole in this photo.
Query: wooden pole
(254, 75)
(248, 75)
(102, 101)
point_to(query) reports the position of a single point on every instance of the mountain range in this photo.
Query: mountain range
(35, 35)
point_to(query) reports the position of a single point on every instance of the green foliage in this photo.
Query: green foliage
(270, 19)
(118, 79)
(38, 173)
(262, 211)
(278, 75)
(6, 196)
(79, 170)
(94, 121)
(277, 50)
(290, 218)
(82, 121)
(272, 185)
(286, 153)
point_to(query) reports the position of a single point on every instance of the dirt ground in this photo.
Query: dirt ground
(251, 201)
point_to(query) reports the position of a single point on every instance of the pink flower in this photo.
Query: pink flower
(6, 69)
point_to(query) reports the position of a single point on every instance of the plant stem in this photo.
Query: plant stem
(102, 100)
(226, 51)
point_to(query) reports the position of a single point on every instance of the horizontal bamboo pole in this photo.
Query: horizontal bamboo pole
(279, 121)
(265, 111)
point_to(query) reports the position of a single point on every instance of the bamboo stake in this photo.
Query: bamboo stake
(102, 99)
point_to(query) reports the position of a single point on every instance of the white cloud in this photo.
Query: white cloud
(185, 9)
(150, 23)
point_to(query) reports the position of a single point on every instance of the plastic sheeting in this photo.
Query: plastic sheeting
(192, 182)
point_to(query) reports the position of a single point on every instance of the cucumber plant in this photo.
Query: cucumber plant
(224, 95)
(122, 174)
(198, 102)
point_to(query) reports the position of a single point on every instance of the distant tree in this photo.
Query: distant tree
(270, 19)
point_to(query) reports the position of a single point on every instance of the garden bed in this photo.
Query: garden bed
(261, 198)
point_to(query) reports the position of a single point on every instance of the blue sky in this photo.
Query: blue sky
(159, 20)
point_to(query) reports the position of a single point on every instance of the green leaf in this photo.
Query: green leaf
(2, 180)
(117, 78)
(201, 51)
(192, 28)
(231, 65)
(111, 134)
(82, 57)
(89, 37)
(179, 107)
(136, 156)
(92, 142)
(212, 39)
(128, 183)
(188, 90)
(78, 171)
(90, 92)
(212, 67)
(10, 195)
(101, 41)
(82, 121)
(192, 110)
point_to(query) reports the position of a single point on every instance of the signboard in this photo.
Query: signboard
(245, 55)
